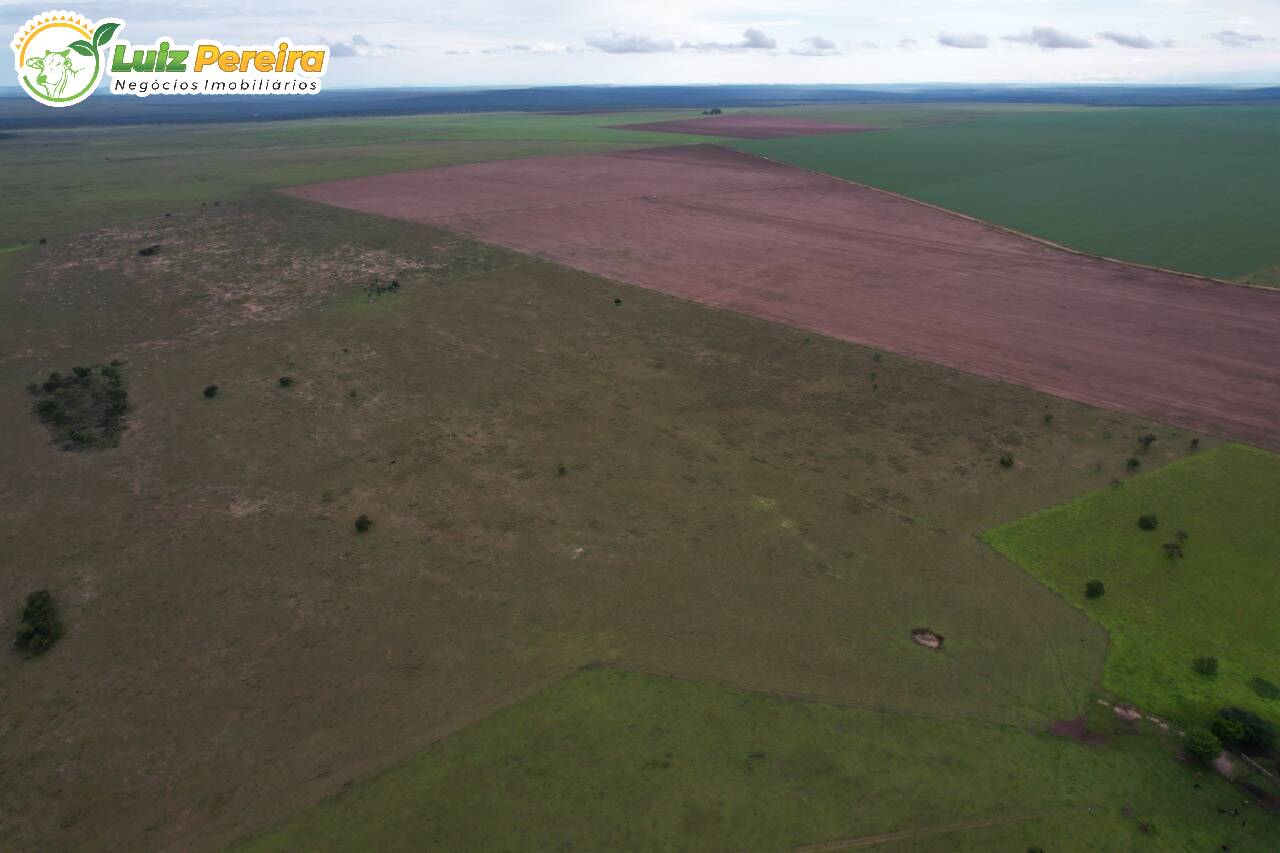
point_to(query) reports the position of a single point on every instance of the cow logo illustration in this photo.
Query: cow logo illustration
(58, 56)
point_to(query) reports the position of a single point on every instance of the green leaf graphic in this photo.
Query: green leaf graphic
(103, 34)
(82, 47)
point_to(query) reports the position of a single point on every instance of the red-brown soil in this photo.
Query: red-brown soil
(747, 126)
(773, 241)
(1078, 730)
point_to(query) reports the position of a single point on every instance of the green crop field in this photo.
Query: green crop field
(1195, 189)
(1163, 611)
(621, 761)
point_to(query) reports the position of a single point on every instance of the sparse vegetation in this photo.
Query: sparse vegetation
(40, 627)
(1173, 550)
(286, 381)
(1095, 589)
(1006, 460)
(363, 523)
(1148, 522)
(1207, 665)
(1133, 463)
(1146, 441)
(84, 410)
(210, 391)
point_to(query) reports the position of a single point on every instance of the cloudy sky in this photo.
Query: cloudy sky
(527, 42)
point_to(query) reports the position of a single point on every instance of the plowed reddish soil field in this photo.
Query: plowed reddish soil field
(773, 241)
(747, 127)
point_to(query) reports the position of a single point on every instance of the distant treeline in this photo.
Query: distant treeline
(18, 111)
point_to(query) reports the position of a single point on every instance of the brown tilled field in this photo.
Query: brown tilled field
(773, 241)
(747, 126)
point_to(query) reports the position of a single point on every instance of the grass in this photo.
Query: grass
(616, 760)
(740, 503)
(79, 179)
(1220, 599)
(1189, 188)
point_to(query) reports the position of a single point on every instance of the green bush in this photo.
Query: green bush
(1148, 522)
(286, 381)
(1095, 589)
(1202, 745)
(40, 627)
(1207, 665)
(211, 390)
(1264, 688)
(363, 523)
(1133, 463)
(1006, 461)
(1146, 441)
(1244, 729)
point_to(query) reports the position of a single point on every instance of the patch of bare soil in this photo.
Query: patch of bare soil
(927, 638)
(784, 244)
(1078, 730)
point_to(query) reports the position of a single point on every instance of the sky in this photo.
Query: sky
(630, 42)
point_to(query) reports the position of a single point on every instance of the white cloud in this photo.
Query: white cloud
(618, 41)
(1049, 38)
(752, 39)
(816, 46)
(1235, 38)
(1136, 41)
(969, 41)
(359, 46)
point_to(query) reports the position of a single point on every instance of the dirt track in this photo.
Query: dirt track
(773, 241)
(746, 127)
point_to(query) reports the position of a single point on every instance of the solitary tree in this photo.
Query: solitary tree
(1094, 589)
(363, 523)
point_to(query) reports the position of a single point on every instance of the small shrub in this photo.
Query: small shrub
(1146, 441)
(1173, 550)
(561, 470)
(40, 627)
(1048, 418)
(1202, 745)
(363, 523)
(876, 356)
(1095, 589)
(1244, 729)
(1006, 461)
(1148, 522)
(1264, 688)
(1195, 444)
(148, 251)
(211, 391)
(33, 388)
(81, 372)
(1133, 463)
(286, 381)
(1183, 536)
(1207, 665)
(617, 301)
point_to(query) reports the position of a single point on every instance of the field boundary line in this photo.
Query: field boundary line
(801, 696)
(908, 834)
(1043, 241)
(226, 830)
